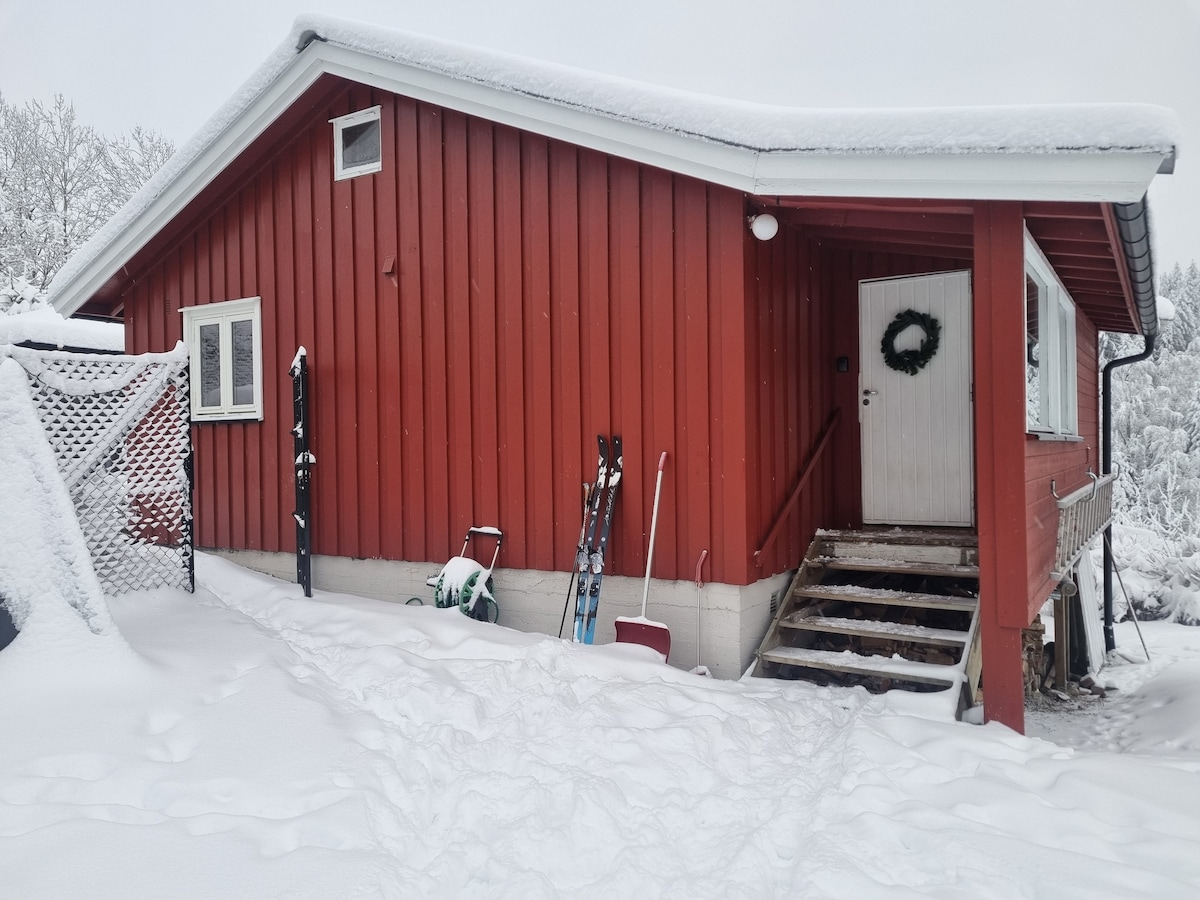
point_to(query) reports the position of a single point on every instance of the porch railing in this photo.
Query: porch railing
(1082, 514)
(794, 497)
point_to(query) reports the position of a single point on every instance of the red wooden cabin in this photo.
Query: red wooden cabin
(530, 256)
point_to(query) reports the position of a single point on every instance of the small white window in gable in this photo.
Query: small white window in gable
(357, 144)
(1051, 382)
(224, 342)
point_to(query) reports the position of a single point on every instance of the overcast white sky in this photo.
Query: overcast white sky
(168, 65)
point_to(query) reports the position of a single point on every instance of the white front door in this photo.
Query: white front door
(917, 457)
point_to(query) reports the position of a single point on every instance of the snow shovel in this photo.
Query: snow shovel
(640, 630)
(700, 669)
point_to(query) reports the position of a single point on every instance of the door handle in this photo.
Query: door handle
(869, 393)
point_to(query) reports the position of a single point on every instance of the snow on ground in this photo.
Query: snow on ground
(1152, 706)
(261, 744)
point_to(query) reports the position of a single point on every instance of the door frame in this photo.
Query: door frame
(918, 467)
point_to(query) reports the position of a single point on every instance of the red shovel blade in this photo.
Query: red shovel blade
(654, 635)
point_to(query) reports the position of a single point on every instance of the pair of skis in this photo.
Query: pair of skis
(593, 538)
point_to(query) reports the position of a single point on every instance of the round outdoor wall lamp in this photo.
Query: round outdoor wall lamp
(764, 226)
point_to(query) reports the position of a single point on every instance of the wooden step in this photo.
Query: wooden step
(870, 628)
(849, 593)
(955, 546)
(949, 537)
(856, 664)
(899, 567)
(948, 554)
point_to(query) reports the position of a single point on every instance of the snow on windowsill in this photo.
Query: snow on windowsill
(1050, 436)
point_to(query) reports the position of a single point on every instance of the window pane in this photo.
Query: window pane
(210, 365)
(1066, 377)
(242, 335)
(1035, 372)
(360, 144)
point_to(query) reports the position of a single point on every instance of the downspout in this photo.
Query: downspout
(1110, 642)
(1134, 227)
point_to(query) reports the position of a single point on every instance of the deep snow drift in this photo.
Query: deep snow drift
(265, 745)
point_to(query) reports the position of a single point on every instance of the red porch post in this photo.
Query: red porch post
(999, 361)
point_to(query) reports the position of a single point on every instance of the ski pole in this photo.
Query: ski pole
(587, 497)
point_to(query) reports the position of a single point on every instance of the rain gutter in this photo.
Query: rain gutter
(1133, 226)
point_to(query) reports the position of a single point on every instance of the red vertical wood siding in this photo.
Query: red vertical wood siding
(480, 309)
(804, 315)
(537, 294)
(1065, 462)
(791, 365)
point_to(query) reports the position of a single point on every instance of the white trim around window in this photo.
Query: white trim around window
(224, 342)
(1051, 373)
(357, 143)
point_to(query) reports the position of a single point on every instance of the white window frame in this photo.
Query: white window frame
(340, 170)
(1056, 351)
(223, 314)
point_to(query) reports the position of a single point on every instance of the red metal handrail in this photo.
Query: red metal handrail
(792, 500)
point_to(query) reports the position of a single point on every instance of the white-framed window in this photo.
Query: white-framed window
(224, 342)
(357, 144)
(1051, 377)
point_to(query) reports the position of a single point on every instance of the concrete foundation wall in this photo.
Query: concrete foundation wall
(733, 619)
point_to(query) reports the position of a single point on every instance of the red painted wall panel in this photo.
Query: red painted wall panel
(1066, 463)
(536, 294)
(478, 310)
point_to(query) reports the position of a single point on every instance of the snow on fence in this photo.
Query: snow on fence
(119, 428)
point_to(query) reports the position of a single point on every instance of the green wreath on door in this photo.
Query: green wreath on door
(911, 361)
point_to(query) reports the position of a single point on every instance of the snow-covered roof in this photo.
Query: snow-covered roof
(46, 326)
(1097, 152)
(766, 128)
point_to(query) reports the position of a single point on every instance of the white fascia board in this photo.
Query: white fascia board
(1110, 177)
(1097, 176)
(705, 159)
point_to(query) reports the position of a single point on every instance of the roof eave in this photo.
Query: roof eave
(1112, 176)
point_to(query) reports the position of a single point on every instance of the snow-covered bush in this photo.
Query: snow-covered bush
(1141, 556)
(19, 296)
(1181, 598)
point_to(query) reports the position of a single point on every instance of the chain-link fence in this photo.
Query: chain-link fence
(119, 427)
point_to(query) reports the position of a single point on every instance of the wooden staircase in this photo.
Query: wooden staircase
(893, 609)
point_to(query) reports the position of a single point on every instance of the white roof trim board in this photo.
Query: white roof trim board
(1093, 152)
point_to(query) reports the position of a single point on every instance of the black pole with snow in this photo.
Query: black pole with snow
(641, 630)
(304, 462)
